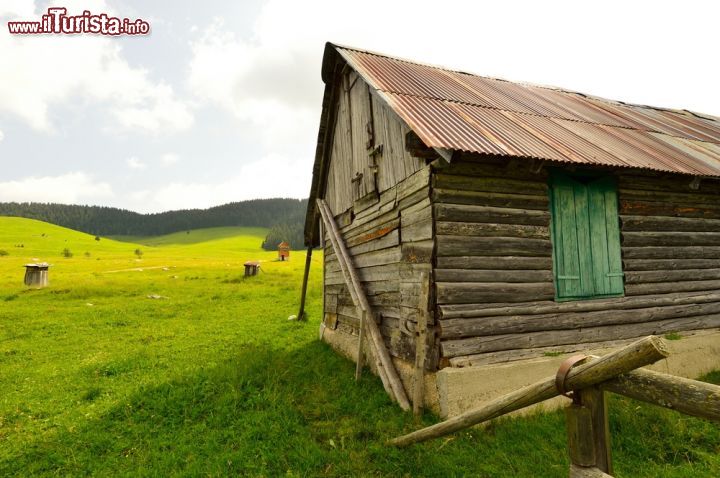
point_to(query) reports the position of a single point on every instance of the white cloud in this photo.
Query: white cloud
(135, 163)
(169, 158)
(272, 176)
(2, 135)
(70, 188)
(19, 9)
(38, 73)
(274, 90)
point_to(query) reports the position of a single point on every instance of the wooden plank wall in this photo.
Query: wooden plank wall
(386, 224)
(494, 281)
(390, 245)
(363, 123)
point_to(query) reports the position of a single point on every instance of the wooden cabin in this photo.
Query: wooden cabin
(544, 221)
(283, 251)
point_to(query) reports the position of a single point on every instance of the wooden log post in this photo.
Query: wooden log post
(588, 431)
(386, 368)
(345, 269)
(638, 354)
(421, 344)
(691, 397)
(308, 260)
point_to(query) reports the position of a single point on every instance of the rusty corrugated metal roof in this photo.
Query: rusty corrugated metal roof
(459, 111)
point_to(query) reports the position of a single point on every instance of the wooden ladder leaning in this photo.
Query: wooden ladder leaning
(383, 362)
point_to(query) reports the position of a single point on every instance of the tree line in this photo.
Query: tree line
(285, 218)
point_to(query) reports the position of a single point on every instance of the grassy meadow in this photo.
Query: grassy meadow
(171, 363)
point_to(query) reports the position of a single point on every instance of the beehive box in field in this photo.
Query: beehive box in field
(36, 275)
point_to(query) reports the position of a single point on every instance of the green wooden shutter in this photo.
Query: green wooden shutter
(605, 233)
(565, 239)
(586, 238)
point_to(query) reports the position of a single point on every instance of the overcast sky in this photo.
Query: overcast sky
(221, 102)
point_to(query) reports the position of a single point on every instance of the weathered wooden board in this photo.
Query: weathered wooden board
(671, 276)
(519, 169)
(492, 246)
(381, 273)
(551, 307)
(470, 213)
(493, 199)
(517, 324)
(648, 208)
(667, 183)
(666, 197)
(488, 184)
(492, 230)
(368, 259)
(669, 223)
(473, 292)
(495, 262)
(667, 287)
(505, 356)
(690, 252)
(455, 348)
(630, 265)
(670, 239)
(478, 275)
(417, 252)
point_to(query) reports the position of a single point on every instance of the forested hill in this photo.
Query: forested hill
(286, 215)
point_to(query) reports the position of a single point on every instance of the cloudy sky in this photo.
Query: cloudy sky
(221, 102)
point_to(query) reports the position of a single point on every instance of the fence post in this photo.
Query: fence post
(595, 399)
(588, 432)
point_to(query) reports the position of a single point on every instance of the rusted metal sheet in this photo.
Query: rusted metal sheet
(459, 111)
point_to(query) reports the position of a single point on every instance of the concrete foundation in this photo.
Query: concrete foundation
(452, 391)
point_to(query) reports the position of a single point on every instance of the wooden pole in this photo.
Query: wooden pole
(593, 399)
(308, 259)
(691, 397)
(353, 283)
(361, 339)
(345, 269)
(420, 345)
(638, 354)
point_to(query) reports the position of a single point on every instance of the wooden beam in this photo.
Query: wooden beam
(386, 369)
(308, 259)
(593, 399)
(691, 397)
(420, 344)
(638, 354)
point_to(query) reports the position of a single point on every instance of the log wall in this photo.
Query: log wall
(493, 269)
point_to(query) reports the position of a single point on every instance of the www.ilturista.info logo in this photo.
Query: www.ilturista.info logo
(57, 21)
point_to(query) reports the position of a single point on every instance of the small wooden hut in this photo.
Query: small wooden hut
(543, 221)
(284, 251)
(36, 275)
(251, 268)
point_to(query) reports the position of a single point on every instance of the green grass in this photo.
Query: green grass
(213, 380)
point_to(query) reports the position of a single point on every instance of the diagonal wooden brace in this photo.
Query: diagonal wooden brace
(386, 368)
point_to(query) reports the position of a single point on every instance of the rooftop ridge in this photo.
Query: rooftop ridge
(528, 84)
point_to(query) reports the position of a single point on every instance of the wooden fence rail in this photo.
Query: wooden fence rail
(587, 417)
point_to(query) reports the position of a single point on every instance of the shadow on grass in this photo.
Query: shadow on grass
(299, 413)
